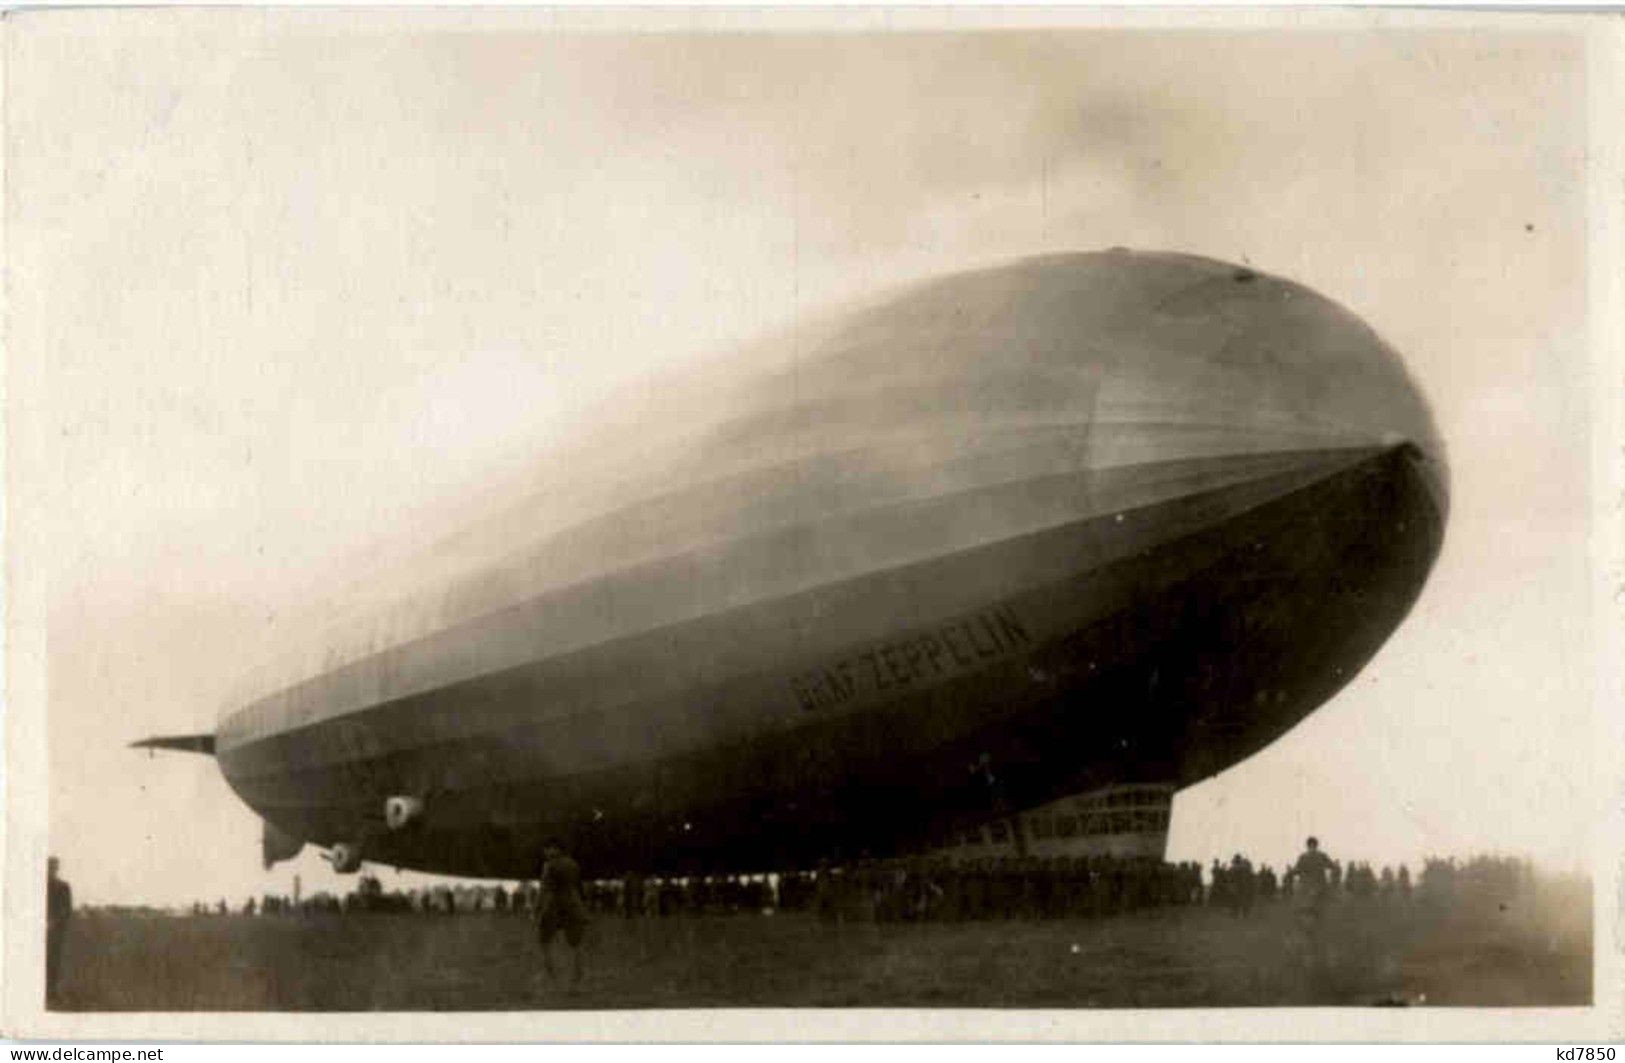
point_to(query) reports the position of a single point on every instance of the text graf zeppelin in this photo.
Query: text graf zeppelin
(955, 647)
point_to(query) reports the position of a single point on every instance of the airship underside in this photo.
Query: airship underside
(1077, 521)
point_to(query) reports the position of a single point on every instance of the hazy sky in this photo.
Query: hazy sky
(287, 294)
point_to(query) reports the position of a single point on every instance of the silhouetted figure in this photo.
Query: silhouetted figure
(1314, 873)
(1362, 881)
(651, 898)
(369, 894)
(825, 901)
(632, 896)
(1313, 878)
(58, 912)
(562, 908)
(1239, 876)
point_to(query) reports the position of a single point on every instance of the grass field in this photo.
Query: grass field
(1166, 958)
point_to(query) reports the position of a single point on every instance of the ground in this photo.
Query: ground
(1166, 958)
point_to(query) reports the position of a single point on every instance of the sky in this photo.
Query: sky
(292, 293)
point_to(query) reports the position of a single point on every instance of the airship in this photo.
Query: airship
(1080, 524)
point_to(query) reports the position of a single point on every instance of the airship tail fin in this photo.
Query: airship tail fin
(184, 743)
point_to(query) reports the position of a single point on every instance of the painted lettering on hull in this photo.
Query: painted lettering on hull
(956, 647)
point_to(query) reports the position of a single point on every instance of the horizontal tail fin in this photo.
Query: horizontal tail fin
(183, 743)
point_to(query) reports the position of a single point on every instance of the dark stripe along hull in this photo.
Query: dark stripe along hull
(1161, 643)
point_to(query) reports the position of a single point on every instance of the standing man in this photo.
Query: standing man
(1312, 882)
(562, 908)
(1242, 885)
(58, 910)
(1313, 870)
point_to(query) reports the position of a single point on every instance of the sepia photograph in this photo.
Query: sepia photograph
(1040, 524)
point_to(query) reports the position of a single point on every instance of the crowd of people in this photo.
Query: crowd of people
(370, 896)
(908, 889)
(929, 889)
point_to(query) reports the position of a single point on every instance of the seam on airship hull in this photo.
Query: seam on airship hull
(852, 481)
(727, 558)
(551, 611)
(747, 640)
(833, 485)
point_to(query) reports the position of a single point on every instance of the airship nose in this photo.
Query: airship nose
(1430, 471)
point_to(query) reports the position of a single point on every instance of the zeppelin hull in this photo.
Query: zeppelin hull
(1068, 523)
(1159, 641)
